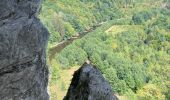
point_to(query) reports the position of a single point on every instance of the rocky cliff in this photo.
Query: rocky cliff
(89, 84)
(23, 40)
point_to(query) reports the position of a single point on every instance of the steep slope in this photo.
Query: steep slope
(23, 41)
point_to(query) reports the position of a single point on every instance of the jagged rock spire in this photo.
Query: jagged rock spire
(89, 84)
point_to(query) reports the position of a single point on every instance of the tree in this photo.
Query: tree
(72, 55)
(150, 92)
(58, 25)
(69, 30)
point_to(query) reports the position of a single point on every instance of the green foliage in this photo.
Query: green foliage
(69, 30)
(71, 56)
(141, 17)
(64, 18)
(116, 84)
(133, 54)
(137, 58)
(54, 71)
(150, 92)
(64, 62)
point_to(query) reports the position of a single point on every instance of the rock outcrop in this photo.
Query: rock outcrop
(23, 41)
(89, 84)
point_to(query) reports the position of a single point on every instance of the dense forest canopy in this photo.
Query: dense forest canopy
(131, 47)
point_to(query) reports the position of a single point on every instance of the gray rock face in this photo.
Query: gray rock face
(23, 40)
(89, 84)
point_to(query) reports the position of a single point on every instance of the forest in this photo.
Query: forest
(130, 44)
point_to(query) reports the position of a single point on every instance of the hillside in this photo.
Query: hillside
(131, 49)
(65, 18)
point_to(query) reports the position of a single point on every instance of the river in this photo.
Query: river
(61, 45)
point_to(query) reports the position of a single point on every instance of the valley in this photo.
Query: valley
(131, 49)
